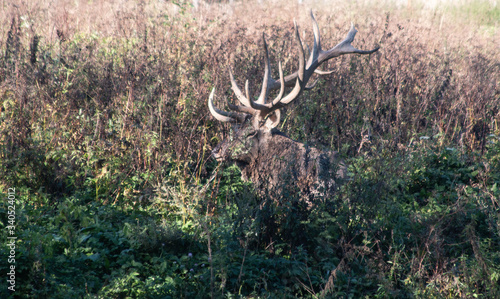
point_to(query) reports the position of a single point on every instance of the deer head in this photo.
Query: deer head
(255, 120)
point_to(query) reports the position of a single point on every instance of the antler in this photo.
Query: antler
(268, 112)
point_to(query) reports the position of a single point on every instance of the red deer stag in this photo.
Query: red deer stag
(266, 156)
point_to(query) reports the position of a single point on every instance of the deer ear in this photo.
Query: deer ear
(273, 120)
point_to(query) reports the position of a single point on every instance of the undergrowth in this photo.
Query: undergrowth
(106, 137)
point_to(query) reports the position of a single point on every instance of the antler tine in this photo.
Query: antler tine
(247, 93)
(316, 42)
(316, 30)
(239, 108)
(237, 91)
(344, 47)
(320, 72)
(265, 81)
(301, 70)
(301, 80)
(219, 114)
(282, 84)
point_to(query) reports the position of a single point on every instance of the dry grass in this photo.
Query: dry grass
(123, 70)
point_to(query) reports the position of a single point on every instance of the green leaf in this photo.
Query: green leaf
(94, 257)
(83, 238)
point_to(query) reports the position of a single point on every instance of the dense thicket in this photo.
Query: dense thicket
(106, 137)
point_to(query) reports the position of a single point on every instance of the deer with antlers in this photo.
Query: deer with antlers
(265, 155)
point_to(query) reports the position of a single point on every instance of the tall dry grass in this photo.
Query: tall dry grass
(130, 79)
